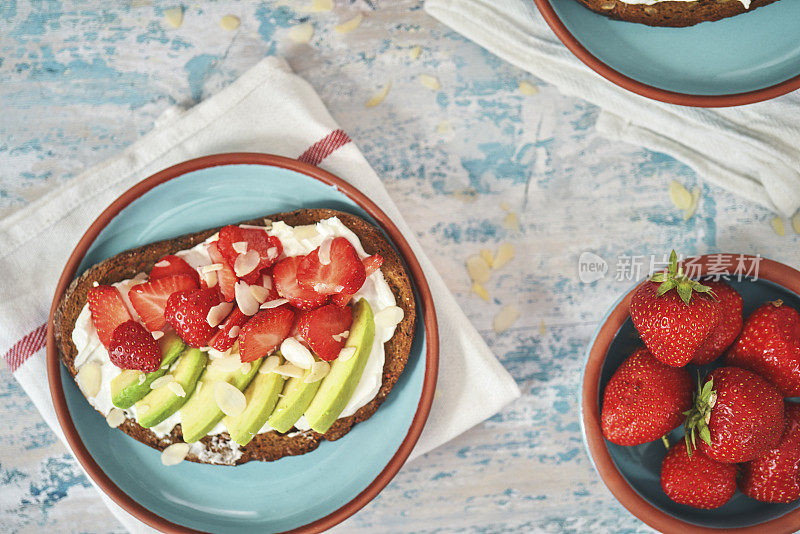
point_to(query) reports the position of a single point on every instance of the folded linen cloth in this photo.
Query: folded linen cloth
(268, 109)
(753, 150)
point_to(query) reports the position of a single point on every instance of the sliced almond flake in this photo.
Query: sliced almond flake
(506, 317)
(688, 214)
(290, 370)
(431, 82)
(95, 283)
(177, 389)
(504, 255)
(162, 263)
(527, 88)
(266, 281)
(445, 128)
(301, 33)
(296, 353)
(229, 22)
(389, 317)
(341, 336)
(142, 377)
(346, 353)
(796, 223)
(318, 6)
(211, 279)
(244, 299)
(680, 196)
(478, 269)
(246, 263)
(319, 370)
(777, 225)
(542, 327)
(229, 399)
(324, 253)
(198, 386)
(175, 453)
(269, 364)
(260, 293)
(349, 25)
(479, 290)
(468, 194)
(272, 253)
(89, 377)
(228, 364)
(217, 314)
(511, 222)
(378, 97)
(161, 381)
(157, 334)
(273, 304)
(234, 331)
(240, 247)
(115, 417)
(211, 268)
(487, 256)
(245, 368)
(414, 52)
(174, 16)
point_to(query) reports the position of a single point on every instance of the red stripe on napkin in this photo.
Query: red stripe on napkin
(324, 147)
(26, 347)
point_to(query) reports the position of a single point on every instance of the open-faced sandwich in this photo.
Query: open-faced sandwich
(253, 341)
(675, 13)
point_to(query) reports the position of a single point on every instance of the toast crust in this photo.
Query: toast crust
(271, 445)
(672, 14)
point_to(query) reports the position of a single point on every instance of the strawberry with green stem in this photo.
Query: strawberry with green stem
(674, 314)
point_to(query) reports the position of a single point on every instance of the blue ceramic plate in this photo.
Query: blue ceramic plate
(257, 496)
(750, 52)
(640, 466)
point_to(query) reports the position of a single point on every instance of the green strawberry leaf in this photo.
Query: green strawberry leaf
(705, 434)
(666, 286)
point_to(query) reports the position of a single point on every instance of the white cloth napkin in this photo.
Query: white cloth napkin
(268, 109)
(753, 151)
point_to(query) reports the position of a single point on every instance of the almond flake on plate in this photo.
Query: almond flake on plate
(527, 88)
(269, 364)
(478, 269)
(511, 222)
(301, 33)
(290, 370)
(244, 299)
(504, 255)
(218, 313)
(680, 196)
(796, 223)
(211, 268)
(487, 256)
(349, 25)
(229, 399)
(157, 334)
(378, 97)
(240, 247)
(389, 317)
(162, 263)
(229, 22)
(89, 378)
(162, 381)
(688, 214)
(297, 353)
(260, 293)
(346, 353)
(431, 82)
(273, 304)
(479, 290)
(318, 6)
(211, 279)
(177, 389)
(175, 453)
(777, 225)
(115, 417)
(506, 317)
(246, 262)
(343, 335)
(234, 331)
(324, 253)
(414, 52)
(174, 16)
(319, 370)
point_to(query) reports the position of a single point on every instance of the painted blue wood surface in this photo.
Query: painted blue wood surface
(81, 80)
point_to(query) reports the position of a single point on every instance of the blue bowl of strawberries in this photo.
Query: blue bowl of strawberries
(688, 405)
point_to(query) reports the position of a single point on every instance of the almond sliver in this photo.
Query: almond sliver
(349, 25)
(177, 389)
(777, 226)
(162, 381)
(796, 223)
(505, 318)
(174, 16)
(115, 417)
(324, 253)
(527, 88)
(228, 364)
(389, 317)
(89, 377)
(504, 255)
(346, 353)
(479, 290)
(478, 269)
(273, 304)
(414, 52)
(240, 247)
(260, 293)
(378, 97)
(211, 279)
(246, 262)
(301, 33)
(211, 268)
(269, 364)
(319, 370)
(431, 82)
(297, 353)
(680, 196)
(175, 453)
(230, 400)
(162, 263)
(244, 299)
(218, 313)
(290, 370)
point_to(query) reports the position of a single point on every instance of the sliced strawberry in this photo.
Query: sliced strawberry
(371, 264)
(228, 330)
(226, 278)
(269, 247)
(132, 347)
(108, 311)
(150, 299)
(284, 276)
(264, 332)
(344, 273)
(187, 312)
(318, 328)
(173, 265)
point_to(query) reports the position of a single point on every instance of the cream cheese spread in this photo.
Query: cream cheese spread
(296, 241)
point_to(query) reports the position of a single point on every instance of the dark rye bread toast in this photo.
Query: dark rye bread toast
(268, 446)
(672, 14)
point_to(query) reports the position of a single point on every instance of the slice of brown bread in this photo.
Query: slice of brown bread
(672, 14)
(268, 446)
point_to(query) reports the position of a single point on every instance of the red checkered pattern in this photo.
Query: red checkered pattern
(324, 147)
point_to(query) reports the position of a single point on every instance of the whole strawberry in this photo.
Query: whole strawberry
(187, 312)
(770, 345)
(644, 400)
(775, 477)
(730, 324)
(697, 480)
(133, 347)
(674, 314)
(737, 415)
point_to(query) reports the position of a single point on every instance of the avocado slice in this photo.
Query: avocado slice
(340, 383)
(162, 402)
(201, 413)
(262, 395)
(125, 387)
(297, 396)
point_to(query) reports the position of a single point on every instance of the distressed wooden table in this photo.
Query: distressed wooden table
(80, 80)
